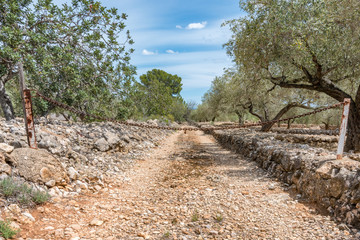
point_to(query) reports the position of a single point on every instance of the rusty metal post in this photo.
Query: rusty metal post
(343, 128)
(30, 126)
(27, 108)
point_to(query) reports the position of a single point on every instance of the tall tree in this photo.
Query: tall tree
(303, 44)
(159, 93)
(76, 53)
(215, 97)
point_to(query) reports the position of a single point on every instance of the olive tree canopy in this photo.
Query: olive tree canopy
(303, 44)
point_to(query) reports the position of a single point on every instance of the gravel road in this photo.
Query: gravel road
(189, 188)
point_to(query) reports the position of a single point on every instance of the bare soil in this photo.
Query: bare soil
(190, 188)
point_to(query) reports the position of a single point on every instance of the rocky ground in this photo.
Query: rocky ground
(186, 188)
(73, 157)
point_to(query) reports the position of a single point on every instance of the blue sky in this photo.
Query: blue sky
(181, 37)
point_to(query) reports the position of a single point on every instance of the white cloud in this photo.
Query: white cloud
(178, 26)
(147, 53)
(196, 25)
(213, 35)
(197, 69)
(171, 51)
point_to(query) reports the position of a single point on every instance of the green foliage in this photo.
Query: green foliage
(8, 187)
(39, 197)
(172, 83)
(6, 231)
(166, 235)
(22, 192)
(76, 53)
(304, 44)
(195, 217)
(214, 97)
(311, 45)
(158, 94)
(219, 218)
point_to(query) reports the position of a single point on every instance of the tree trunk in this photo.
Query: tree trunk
(268, 126)
(289, 123)
(213, 119)
(327, 87)
(240, 117)
(353, 133)
(6, 103)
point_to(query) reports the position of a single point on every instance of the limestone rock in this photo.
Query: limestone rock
(14, 226)
(126, 138)
(17, 144)
(2, 157)
(112, 139)
(325, 170)
(50, 183)
(39, 166)
(4, 168)
(81, 185)
(96, 222)
(6, 148)
(102, 145)
(48, 142)
(29, 216)
(73, 174)
(14, 208)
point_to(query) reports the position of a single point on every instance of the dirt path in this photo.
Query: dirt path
(190, 188)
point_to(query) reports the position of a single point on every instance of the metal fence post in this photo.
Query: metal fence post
(30, 126)
(27, 108)
(343, 128)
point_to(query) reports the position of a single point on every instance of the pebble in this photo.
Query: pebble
(28, 215)
(96, 222)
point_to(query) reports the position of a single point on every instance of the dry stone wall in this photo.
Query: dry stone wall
(314, 172)
(307, 131)
(73, 157)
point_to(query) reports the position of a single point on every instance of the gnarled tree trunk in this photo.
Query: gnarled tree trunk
(268, 126)
(240, 117)
(6, 104)
(353, 133)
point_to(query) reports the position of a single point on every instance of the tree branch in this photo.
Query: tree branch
(343, 78)
(293, 85)
(271, 89)
(327, 71)
(304, 70)
(277, 80)
(315, 61)
(251, 111)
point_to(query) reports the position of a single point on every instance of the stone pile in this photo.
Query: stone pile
(313, 172)
(307, 131)
(73, 157)
(322, 141)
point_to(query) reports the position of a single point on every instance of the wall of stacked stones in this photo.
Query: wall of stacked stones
(314, 172)
(73, 157)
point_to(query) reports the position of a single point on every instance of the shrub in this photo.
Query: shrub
(22, 193)
(6, 231)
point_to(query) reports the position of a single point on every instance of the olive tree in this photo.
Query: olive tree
(312, 45)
